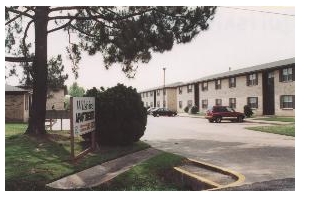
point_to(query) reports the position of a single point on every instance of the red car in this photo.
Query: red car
(218, 113)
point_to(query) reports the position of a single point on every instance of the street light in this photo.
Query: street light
(164, 91)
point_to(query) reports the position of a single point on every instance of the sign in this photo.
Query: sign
(83, 115)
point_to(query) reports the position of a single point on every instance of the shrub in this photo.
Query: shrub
(194, 109)
(186, 109)
(247, 111)
(120, 115)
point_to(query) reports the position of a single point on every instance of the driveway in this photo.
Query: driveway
(259, 156)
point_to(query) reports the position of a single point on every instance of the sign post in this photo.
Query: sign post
(82, 121)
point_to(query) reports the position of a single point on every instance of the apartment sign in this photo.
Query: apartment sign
(83, 115)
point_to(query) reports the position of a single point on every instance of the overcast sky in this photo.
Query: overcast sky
(236, 38)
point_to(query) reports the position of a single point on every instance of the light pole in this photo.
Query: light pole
(164, 91)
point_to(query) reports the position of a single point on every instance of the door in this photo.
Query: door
(268, 93)
(196, 95)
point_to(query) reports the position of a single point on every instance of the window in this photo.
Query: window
(158, 92)
(218, 101)
(158, 104)
(180, 105)
(164, 90)
(253, 102)
(189, 88)
(164, 103)
(252, 79)
(287, 75)
(147, 94)
(180, 90)
(146, 104)
(151, 104)
(189, 103)
(204, 86)
(151, 93)
(232, 102)
(217, 84)
(232, 82)
(143, 95)
(287, 101)
(204, 104)
(26, 102)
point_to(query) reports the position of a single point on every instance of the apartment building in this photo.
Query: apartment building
(269, 89)
(160, 96)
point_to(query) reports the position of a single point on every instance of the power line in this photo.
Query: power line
(268, 12)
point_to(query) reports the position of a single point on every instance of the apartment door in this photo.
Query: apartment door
(268, 93)
(196, 94)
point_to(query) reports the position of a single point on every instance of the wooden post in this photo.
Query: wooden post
(71, 129)
(50, 123)
(61, 123)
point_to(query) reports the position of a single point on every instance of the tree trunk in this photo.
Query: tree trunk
(36, 124)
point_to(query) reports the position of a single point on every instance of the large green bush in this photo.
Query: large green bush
(186, 109)
(194, 109)
(120, 115)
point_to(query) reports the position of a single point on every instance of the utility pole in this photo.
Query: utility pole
(164, 96)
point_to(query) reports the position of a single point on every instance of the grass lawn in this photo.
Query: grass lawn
(151, 175)
(281, 119)
(278, 129)
(31, 162)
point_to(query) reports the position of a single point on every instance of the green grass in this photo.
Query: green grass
(278, 129)
(151, 175)
(281, 119)
(32, 162)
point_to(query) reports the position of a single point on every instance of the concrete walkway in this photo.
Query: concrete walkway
(104, 172)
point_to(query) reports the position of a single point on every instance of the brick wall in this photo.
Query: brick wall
(184, 97)
(14, 108)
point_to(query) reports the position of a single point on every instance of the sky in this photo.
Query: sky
(236, 38)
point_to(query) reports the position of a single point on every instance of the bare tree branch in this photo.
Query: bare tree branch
(16, 17)
(18, 59)
(66, 8)
(61, 27)
(23, 13)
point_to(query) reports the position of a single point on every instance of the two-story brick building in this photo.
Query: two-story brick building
(269, 89)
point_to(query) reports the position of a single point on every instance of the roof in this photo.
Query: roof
(9, 88)
(172, 85)
(260, 67)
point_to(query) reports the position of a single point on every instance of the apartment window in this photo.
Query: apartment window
(232, 102)
(218, 101)
(253, 102)
(146, 104)
(180, 90)
(217, 84)
(189, 103)
(147, 94)
(151, 104)
(232, 82)
(189, 88)
(26, 102)
(287, 74)
(252, 79)
(158, 92)
(204, 104)
(164, 90)
(164, 103)
(180, 105)
(204, 86)
(158, 104)
(143, 95)
(151, 93)
(287, 101)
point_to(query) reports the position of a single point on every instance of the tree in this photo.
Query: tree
(55, 77)
(76, 91)
(125, 35)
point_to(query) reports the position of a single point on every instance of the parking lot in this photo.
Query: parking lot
(259, 156)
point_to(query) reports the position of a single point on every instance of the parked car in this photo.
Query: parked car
(218, 113)
(163, 112)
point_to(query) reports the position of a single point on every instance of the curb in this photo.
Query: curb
(213, 185)
(267, 122)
